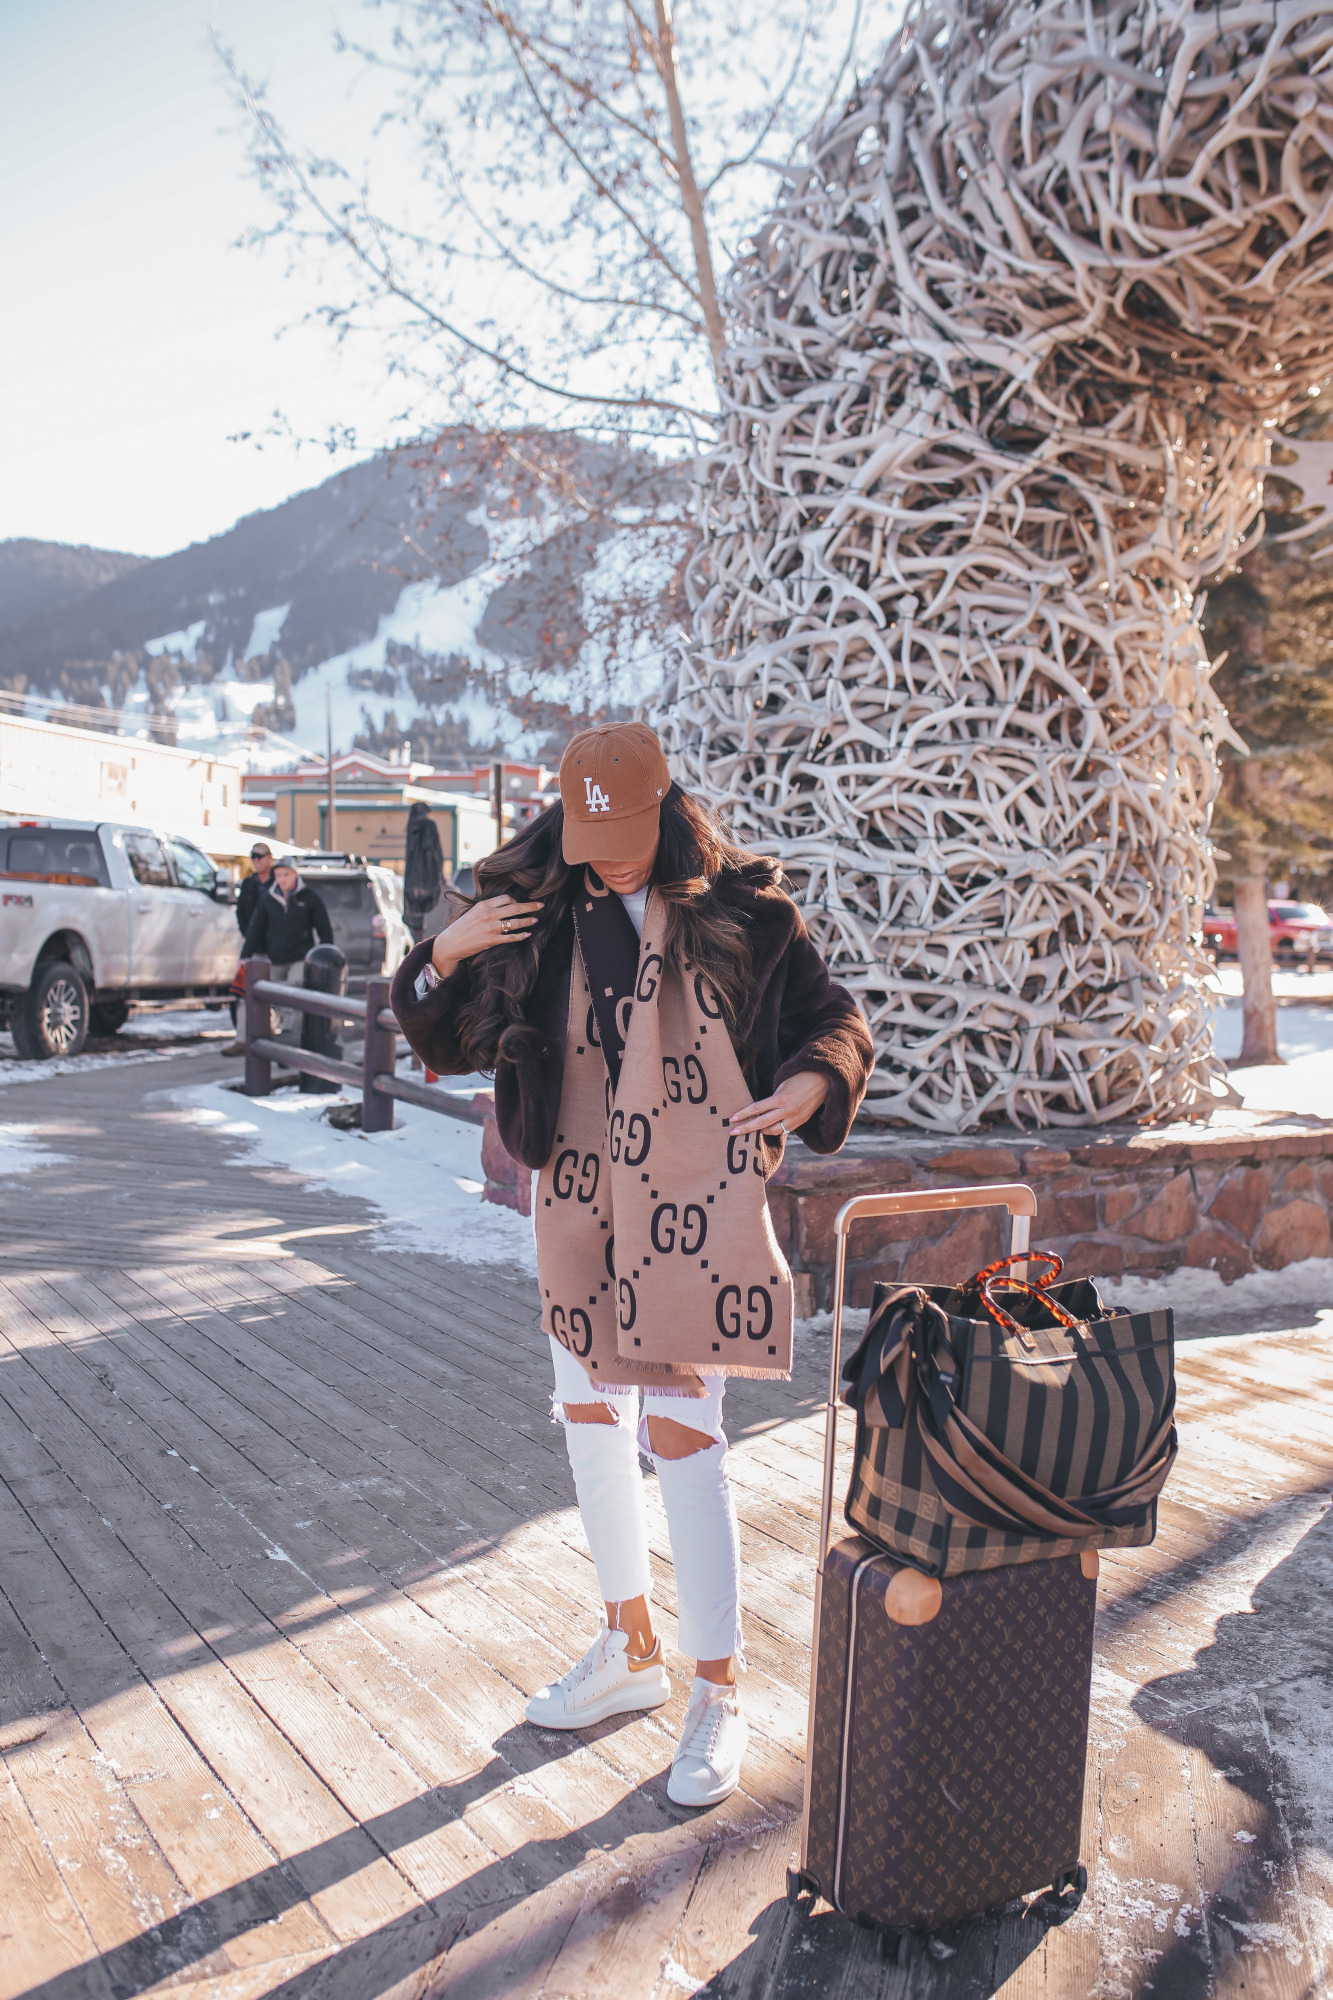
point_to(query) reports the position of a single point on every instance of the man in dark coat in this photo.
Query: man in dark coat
(253, 887)
(288, 918)
(423, 871)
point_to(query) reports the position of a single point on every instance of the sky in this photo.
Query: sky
(135, 340)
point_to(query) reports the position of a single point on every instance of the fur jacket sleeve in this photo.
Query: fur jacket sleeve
(796, 1019)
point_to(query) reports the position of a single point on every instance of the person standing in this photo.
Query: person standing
(254, 885)
(288, 918)
(252, 888)
(658, 1021)
(423, 867)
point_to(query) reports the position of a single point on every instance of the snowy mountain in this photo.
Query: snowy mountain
(485, 598)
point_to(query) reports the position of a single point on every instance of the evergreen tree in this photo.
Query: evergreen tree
(1273, 620)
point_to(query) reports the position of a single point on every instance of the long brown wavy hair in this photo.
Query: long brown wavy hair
(694, 851)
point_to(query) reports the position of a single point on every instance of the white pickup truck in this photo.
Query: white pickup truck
(93, 916)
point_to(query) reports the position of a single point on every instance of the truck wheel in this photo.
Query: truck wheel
(51, 1019)
(108, 1017)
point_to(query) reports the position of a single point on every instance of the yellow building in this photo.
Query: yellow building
(371, 800)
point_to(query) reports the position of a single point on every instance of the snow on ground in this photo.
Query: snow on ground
(1302, 1084)
(185, 1023)
(1299, 1293)
(1286, 985)
(21, 1150)
(425, 1176)
(14, 1071)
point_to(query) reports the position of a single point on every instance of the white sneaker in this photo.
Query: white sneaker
(707, 1766)
(605, 1682)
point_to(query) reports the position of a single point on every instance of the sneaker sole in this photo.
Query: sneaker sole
(622, 1703)
(714, 1798)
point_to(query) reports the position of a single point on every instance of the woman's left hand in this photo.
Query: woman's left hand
(794, 1100)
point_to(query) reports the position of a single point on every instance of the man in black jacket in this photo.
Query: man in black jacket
(287, 920)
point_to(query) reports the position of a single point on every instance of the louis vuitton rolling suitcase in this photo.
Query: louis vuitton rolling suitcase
(948, 1714)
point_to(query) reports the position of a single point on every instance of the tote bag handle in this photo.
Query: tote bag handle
(997, 1274)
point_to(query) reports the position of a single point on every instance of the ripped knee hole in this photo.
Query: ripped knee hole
(670, 1439)
(589, 1413)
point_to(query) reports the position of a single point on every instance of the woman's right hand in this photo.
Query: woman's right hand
(497, 920)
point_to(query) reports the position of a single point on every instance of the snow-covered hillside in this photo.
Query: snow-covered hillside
(456, 608)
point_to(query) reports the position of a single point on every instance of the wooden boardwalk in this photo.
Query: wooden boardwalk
(286, 1538)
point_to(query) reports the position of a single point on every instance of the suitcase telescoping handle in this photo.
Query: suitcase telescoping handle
(1022, 1206)
(1021, 1203)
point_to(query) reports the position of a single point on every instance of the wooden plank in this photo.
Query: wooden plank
(509, 1950)
(620, 1940)
(797, 1612)
(340, 1869)
(1148, 1875)
(163, 1476)
(372, 1782)
(42, 1933)
(138, 1912)
(1260, 1944)
(732, 1930)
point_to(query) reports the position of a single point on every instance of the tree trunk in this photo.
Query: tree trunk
(1254, 943)
(1256, 970)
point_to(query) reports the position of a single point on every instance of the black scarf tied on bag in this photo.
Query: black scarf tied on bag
(907, 1371)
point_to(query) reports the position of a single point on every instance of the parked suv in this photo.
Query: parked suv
(94, 916)
(365, 906)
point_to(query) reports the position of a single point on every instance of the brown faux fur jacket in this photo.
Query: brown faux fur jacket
(797, 1019)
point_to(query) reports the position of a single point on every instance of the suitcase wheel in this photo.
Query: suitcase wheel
(897, 1947)
(1073, 1879)
(799, 1885)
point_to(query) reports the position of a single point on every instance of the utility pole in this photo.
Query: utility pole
(330, 818)
(498, 800)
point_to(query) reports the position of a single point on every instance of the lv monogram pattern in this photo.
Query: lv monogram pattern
(952, 1779)
(655, 1249)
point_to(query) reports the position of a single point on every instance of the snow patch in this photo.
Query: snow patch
(12, 1070)
(185, 1023)
(425, 1177)
(181, 643)
(265, 630)
(1309, 1283)
(21, 1150)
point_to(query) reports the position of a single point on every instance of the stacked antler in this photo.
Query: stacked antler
(1001, 366)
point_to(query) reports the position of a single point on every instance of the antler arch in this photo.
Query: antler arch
(1002, 367)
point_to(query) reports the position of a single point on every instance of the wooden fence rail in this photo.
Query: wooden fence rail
(375, 1076)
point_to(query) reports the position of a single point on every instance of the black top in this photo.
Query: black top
(423, 871)
(251, 890)
(284, 935)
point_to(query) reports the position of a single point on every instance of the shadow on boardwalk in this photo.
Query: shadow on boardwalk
(286, 1538)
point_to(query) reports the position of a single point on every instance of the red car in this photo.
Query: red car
(1295, 930)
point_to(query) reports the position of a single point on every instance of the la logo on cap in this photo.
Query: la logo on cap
(595, 798)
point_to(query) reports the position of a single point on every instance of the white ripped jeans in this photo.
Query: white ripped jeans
(696, 1494)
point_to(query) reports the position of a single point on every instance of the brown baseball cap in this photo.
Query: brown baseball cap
(612, 784)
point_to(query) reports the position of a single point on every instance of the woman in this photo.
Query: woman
(657, 1020)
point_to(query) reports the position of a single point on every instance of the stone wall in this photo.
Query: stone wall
(1256, 1195)
(1253, 1194)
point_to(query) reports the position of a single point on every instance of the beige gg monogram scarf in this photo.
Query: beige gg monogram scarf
(655, 1249)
